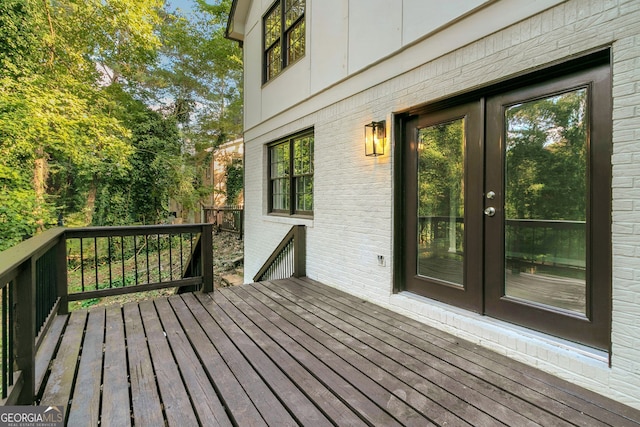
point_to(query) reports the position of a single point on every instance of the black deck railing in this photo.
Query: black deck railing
(106, 261)
(288, 259)
(40, 276)
(227, 218)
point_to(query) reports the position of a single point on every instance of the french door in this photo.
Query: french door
(507, 205)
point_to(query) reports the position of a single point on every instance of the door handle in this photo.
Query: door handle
(490, 211)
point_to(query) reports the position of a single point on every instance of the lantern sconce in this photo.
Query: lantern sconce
(374, 138)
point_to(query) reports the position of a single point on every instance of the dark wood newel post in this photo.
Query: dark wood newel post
(25, 330)
(206, 256)
(299, 252)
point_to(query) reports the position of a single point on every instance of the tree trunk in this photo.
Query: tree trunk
(91, 200)
(40, 171)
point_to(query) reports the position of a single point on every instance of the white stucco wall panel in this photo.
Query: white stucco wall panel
(375, 31)
(353, 195)
(422, 17)
(252, 56)
(288, 88)
(328, 42)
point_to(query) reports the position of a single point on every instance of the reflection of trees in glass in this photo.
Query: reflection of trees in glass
(303, 172)
(441, 170)
(546, 151)
(441, 195)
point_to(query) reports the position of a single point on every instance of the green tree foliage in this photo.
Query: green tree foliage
(441, 170)
(235, 182)
(141, 194)
(18, 42)
(201, 75)
(546, 158)
(87, 89)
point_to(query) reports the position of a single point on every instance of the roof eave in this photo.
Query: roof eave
(236, 20)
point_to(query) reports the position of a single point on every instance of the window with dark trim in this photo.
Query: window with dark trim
(283, 36)
(291, 175)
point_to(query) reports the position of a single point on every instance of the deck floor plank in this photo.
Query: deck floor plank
(175, 399)
(433, 384)
(116, 407)
(299, 405)
(231, 393)
(296, 342)
(303, 369)
(203, 396)
(536, 387)
(294, 352)
(146, 404)
(48, 348)
(475, 391)
(271, 408)
(63, 368)
(85, 405)
(395, 396)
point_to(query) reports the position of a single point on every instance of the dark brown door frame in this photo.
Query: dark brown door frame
(596, 329)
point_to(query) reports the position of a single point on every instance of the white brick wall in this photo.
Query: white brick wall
(353, 215)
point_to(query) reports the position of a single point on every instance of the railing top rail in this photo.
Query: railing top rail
(130, 230)
(13, 257)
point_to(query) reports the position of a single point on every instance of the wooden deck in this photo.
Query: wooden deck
(294, 352)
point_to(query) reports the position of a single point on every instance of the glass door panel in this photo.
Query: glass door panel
(440, 211)
(545, 201)
(443, 243)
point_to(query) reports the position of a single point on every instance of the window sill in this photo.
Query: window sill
(289, 219)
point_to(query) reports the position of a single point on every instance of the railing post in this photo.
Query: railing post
(25, 333)
(61, 275)
(299, 251)
(206, 257)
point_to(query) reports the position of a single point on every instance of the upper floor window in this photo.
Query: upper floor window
(284, 36)
(291, 175)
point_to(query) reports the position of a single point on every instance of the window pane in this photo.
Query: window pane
(272, 26)
(280, 194)
(280, 161)
(546, 201)
(274, 61)
(441, 202)
(304, 193)
(296, 42)
(293, 10)
(303, 156)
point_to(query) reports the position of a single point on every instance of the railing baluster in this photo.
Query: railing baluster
(95, 260)
(146, 244)
(81, 264)
(6, 331)
(109, 261)
(288, 259)
(170, 260)
(135, 258)
(122, 257)
(181, 255)
(12, 356)
(159, 263)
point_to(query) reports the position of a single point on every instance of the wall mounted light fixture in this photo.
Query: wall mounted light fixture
(374, 138)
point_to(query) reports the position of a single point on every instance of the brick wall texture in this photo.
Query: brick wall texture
(353, 194)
